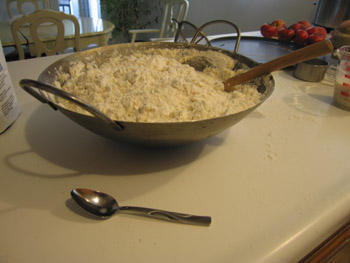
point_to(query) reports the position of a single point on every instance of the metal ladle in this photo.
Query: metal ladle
(104, 205)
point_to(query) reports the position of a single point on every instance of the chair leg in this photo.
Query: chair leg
(133, 37)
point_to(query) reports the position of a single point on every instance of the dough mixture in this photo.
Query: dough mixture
(153, 85)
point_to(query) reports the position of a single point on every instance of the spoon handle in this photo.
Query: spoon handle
(312, 51)
(166, 215)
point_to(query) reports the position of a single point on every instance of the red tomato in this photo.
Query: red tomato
(322, 31)
(315, 38)
(312, 30)
(279, 23)
(297, 26)
(306, 23)
(301, 36)
(317, 30)
(286, 34)
(268, 30)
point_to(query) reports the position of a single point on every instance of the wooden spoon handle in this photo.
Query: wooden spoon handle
(312, 51)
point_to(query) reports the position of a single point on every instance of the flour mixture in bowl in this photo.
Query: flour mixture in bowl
(154, 85)
(146, 94)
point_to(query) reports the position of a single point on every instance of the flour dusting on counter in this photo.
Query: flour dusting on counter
(154, 85)
(271, 153)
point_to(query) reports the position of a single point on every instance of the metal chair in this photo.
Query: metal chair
(174, 9)
(44, 21)
(37, 4)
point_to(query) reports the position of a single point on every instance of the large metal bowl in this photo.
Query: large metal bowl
(153, 134)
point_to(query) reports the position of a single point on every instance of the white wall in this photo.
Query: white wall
(249, 15)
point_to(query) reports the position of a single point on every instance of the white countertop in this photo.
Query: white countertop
(276, 184)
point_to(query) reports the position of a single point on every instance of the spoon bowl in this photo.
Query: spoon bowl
(95, 202)
(104, 205)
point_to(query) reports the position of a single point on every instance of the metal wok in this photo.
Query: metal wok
(151, 134)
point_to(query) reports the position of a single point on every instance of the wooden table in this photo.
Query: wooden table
(92, 31)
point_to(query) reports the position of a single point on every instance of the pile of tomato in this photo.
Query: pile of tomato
(302, 32)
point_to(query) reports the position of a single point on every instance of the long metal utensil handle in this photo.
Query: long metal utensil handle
(312, 51)
(166, 215)
(35, 89)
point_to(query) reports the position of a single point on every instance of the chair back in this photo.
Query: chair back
(19, 6)
(174, 9)
(45, 21)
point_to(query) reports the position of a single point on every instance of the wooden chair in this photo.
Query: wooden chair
(19, 6)
(174, 9)
(44, 21)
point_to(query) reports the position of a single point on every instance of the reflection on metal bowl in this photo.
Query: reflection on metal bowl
(145, 133)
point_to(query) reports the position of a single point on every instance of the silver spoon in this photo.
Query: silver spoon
(104, 205)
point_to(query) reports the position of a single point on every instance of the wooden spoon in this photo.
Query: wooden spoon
(312, 51)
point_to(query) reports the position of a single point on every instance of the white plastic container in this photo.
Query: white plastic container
(9, 109)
